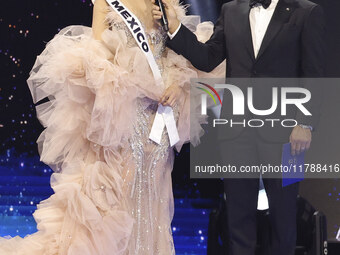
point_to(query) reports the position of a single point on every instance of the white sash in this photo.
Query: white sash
(164, 116)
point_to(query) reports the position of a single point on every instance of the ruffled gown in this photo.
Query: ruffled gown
(112, 185)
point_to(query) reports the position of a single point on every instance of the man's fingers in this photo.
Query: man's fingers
(306, 146)
(293, 148)
(303, 146)
(298, 148)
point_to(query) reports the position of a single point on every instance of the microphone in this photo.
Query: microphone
(164, 19)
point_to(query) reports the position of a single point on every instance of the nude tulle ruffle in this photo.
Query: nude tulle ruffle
(92, 87)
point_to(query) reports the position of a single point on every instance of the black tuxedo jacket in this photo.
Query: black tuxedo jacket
(292, 47)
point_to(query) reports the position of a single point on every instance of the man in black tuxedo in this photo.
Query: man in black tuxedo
(259, 38)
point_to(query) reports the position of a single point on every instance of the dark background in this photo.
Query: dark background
(27, 25)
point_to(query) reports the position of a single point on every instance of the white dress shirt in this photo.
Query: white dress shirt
(259, 19)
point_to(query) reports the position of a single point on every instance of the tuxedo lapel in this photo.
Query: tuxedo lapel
(280, 16)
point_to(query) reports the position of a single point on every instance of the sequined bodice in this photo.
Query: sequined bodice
(156, 39)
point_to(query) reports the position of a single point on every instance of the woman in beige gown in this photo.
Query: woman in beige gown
(112, 184)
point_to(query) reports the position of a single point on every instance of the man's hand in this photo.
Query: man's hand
(171, 14)
(171, 95)
(300, 140)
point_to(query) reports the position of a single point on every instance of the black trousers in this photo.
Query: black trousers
(242, 195)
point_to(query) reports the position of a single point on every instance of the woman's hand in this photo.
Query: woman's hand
(171, 96)
(171, 14)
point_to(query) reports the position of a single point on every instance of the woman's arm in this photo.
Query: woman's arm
(98, 22)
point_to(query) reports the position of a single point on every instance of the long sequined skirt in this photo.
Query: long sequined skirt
(148, 186)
